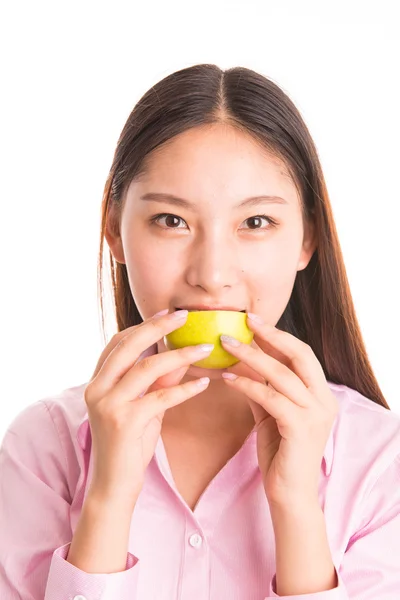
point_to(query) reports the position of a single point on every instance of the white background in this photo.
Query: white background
(71, 73)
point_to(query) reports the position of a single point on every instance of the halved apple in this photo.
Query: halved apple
(205, 327)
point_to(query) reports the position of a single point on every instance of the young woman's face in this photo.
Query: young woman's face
(211, 250)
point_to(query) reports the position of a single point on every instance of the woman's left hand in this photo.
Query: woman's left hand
(293, 408)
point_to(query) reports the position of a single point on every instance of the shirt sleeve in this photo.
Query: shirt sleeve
(370, 567)
(35, 520)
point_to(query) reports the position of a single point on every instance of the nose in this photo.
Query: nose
(213, 264)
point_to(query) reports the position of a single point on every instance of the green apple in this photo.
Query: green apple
(205, 327)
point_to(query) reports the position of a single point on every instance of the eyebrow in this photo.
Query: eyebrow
(171, 199)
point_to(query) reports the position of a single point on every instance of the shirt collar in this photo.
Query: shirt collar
(84, 435)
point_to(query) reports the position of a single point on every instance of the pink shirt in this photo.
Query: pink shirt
(224, 549)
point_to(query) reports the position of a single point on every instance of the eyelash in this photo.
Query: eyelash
(272, 223)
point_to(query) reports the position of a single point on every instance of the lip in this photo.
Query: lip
(209, 307)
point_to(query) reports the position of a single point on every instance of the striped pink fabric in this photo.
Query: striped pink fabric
(224, 549)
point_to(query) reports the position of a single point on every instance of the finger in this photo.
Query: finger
(106, 351)
(274, 403)
(170, 379)
(299, 356)
(129, 349)
(281, 377)
(142, 375)
(243, 370)
(115, 340)
(162, 399)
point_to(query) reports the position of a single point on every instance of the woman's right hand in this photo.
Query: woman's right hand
(125, 423)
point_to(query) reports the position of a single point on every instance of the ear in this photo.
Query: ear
(309, 244)
(112, 233)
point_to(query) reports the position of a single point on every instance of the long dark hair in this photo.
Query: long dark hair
(320, 310)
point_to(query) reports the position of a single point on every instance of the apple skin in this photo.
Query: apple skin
(205, 327)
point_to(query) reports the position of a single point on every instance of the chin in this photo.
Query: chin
(203, 372)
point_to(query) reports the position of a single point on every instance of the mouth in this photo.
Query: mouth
(197, 308)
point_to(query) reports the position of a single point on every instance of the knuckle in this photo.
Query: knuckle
(117, 338)
(156, 324)
(307, 348)
(88, 394)
(125, 332)
(162, 394)
(145, 363)
(123, 340)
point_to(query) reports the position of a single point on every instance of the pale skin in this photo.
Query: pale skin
(216, 253)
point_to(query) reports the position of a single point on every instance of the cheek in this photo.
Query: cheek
(272, 279)
(273, 285)
(276, 263)
(152, 277)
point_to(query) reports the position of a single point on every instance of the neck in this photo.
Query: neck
(218, 411)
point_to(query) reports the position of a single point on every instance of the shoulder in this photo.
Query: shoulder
(43, 437)
(62, 412)
(366, 435)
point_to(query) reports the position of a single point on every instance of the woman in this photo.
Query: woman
(161, 479)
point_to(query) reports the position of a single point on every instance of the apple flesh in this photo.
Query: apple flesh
(205, 327)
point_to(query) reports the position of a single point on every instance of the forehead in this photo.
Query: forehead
(217, 160)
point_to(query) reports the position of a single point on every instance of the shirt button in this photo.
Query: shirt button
(79, 597)
(195, 540)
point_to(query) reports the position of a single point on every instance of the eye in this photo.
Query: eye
(256, 218)
(170, 219)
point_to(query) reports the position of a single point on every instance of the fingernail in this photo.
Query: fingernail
(162, 312)
(179, 314)
(231, 341)
(230, 376)
(203, 381)
(255, 318)
(204, 347)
